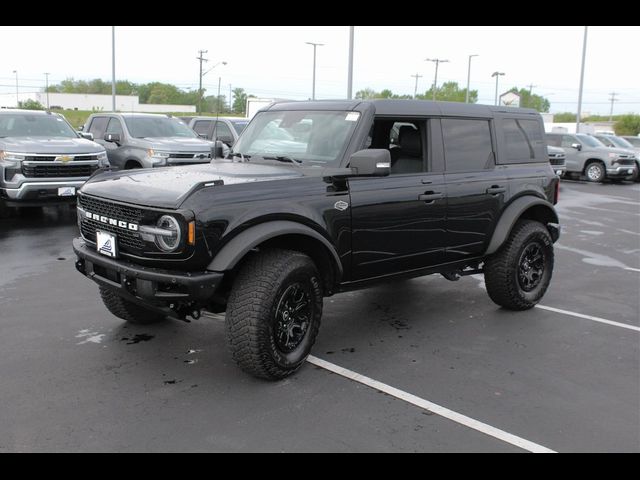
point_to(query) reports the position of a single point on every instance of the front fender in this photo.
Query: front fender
(544, 212)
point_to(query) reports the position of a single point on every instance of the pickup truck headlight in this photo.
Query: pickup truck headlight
(11, 163)
(10, 158)
(169, 240)
(157, 158)
(103, 161)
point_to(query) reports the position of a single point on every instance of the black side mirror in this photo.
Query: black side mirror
(81, 128)
(577, 146)
(375, 162)
(218, 150)
(113, 138)
(202, 135)
(87, 135)
(226, 139)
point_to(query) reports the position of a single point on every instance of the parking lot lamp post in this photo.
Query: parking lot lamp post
(17, 97)
(584, 56)
(437, 61)
(469, 77)
(113, 68)
(313, 88)
(46, 88)
(497, 75)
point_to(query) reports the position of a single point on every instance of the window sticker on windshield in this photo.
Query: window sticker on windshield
(352, 117)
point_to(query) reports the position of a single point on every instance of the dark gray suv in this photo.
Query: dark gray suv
(138, 140)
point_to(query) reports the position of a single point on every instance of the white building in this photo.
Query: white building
(81, 101)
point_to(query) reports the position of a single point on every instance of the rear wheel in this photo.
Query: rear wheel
(595, 172)
(636, 176)
(518, 275)
(129, 311)
(273, 313)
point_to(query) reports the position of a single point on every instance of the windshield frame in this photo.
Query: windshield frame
(130, 120)
(48, 117)
(324, 124)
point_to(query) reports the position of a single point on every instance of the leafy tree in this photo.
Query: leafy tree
(239, 100)
(627, 125)
(450, 92)
(366, 94)
(528, 100)
(31, 105)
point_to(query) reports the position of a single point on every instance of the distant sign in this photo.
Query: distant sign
(510, 99)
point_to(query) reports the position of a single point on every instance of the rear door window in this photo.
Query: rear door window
(467, 144)
(201, 127)
(98, 126)
(523, 140)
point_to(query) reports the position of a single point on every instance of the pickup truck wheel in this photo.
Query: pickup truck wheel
(595, 172)
(273, 313)
(129, 311)
(636, 176)
(518, 275)
(5, 211)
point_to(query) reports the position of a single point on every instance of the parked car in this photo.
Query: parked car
(612, 141)
(43, 160)
(557, 160)
(635, 141)
(225, 129)
(267, 234)
(587, 156)
(137, 140)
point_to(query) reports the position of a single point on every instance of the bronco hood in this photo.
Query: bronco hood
(169, 187)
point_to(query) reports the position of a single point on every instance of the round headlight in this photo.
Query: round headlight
(169, 241)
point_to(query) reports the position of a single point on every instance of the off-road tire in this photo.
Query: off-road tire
(255, 307)
(129, 311)
(501, 270)
(590, 169)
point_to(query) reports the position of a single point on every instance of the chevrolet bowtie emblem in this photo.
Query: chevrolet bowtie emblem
(64, 158)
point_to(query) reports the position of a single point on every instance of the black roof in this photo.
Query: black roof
(403, 107)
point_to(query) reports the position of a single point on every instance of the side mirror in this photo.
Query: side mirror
(227, 140)
(375, 162)
(577, 146)
(87, 135)
(218, 150)
(80, 128)
(202, 135)
(113, 138)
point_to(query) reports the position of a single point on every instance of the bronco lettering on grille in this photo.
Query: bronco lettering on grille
(112, 221)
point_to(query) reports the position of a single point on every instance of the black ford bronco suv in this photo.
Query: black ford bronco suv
(321, 197)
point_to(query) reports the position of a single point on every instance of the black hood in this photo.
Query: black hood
(169, 187)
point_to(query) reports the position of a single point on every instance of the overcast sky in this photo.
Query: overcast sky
(276, 62)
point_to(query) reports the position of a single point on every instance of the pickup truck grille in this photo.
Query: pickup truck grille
(52, 158)
(626, 162)
(127, 240)
(191, 155)
(558, 161)
(58, 170)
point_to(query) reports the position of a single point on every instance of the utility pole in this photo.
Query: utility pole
(612, 99)
(584, 56)
(230, 102)
(113, 68)
(437, 61)
(17, 95)
(469, 77)
(415, 89)
(350, 69)
(202, 59)
(313, 89)
(497, 75)
(46, 88)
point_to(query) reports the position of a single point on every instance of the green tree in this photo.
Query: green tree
(31, 105)
(239, 100)
(627, 125)
(450, 92)
(528, 100)
(366, 94)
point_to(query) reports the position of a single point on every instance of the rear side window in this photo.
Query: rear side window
(98, 126)
(467, 144)
(523, 140)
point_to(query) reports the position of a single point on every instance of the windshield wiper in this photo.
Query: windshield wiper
(243, 158)
(284, 158)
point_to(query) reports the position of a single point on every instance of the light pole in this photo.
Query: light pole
(202, 74)
(113, 69)
(584, 56)
(315, 45)
(437, 61)
(46, 88)
(17, 97)
(350, 74)
(469, 77)
(497, 75)
(230, 103)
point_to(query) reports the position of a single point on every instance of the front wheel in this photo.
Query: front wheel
(273, 313)
(518, 275)
(595, 172)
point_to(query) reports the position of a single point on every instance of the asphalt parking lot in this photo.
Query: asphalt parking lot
(563, 377)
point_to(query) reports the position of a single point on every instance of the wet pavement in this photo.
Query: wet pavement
(75, 378)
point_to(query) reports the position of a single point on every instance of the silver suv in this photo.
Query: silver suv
(589, 157)
(136, 140)
(43, 160)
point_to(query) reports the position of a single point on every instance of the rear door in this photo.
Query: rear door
(398, 222)
(476, 187)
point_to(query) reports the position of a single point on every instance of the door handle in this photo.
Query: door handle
(430, 197)
(495, 189)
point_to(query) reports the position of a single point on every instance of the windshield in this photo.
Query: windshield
(634, 141)
(589, 140)
(157, 127)
(25, 125)
(620, 142)
(311, 137)
(239, 126)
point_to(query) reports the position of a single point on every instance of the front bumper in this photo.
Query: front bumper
(40, 192)
(621, 171)
(150, 286)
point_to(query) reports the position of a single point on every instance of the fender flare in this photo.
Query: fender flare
(229, 256)
(511, 215)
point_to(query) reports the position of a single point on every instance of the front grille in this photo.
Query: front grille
(127, 239)
(190, 155)
(626, 162)
(557, 161)
(52, 158)
(58, 171)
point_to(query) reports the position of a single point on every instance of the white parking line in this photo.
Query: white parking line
(589, 317)
(431, 407)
